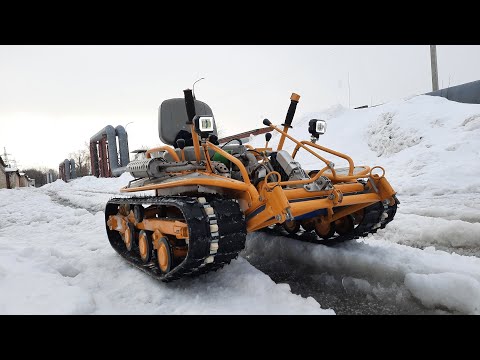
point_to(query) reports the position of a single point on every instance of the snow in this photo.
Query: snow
(429, 148)
(371, 265)
(55, 257)
(451, 290)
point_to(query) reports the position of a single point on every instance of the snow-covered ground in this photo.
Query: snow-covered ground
(55, 257)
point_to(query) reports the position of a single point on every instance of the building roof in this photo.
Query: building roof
(9, 169)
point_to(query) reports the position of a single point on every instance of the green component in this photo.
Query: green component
(223, 159)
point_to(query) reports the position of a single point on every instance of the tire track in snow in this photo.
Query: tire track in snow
(68, 203)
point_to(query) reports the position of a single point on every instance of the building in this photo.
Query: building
(13, 178)
(24, 180)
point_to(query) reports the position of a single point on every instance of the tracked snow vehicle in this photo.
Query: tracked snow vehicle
(208, 197)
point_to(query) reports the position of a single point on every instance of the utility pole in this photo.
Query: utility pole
(433, 60)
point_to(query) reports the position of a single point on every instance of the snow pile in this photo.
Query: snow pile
(89, 192)
(386, 137)
(56, 259)
(415, 230)
(472, 122)
(450, 290)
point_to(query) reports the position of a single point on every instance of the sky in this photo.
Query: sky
(54, 98)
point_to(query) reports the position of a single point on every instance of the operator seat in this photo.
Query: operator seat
(172, 121)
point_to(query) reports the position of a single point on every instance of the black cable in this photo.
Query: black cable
(259, 153)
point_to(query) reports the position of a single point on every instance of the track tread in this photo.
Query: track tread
(371, 219)
(232, 234)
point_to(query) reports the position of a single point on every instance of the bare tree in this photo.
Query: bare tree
(82, 160)
(40, 175)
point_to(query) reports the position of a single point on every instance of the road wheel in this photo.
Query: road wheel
(308, 225)
(145, 246)
(129, 236)
(138, 213)
(324, 229)
(291, 226)
(344, 225)
(164, 255)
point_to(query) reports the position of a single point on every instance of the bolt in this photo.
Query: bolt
(331, 196)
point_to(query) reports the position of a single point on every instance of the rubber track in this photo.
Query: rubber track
(369, 225)
(232, 234)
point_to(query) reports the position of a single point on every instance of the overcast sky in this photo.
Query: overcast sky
(54, 98)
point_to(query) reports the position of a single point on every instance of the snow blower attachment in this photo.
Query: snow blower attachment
(208, 197)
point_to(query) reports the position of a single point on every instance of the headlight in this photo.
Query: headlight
(321, 127)
(204, 125)
(317, 127)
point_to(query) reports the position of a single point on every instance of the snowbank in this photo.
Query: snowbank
(450, 290)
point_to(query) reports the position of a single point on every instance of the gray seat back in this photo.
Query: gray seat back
(172, 117)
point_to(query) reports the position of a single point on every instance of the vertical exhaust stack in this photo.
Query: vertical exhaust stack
(106, 161)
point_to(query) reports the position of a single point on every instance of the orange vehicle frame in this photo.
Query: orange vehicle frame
(269, 203)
